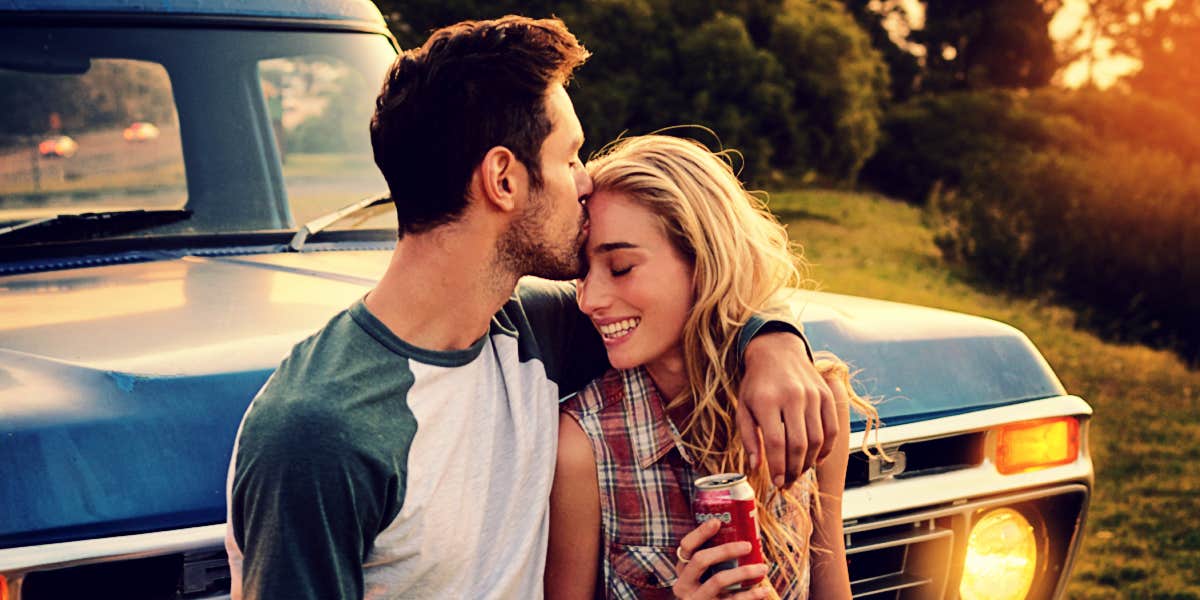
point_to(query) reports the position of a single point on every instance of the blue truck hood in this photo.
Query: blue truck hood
(121, 387)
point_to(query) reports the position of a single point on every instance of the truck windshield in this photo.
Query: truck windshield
(249, 130)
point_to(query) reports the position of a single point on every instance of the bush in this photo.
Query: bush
(956, 138)
(1063, 205)
(839, 85)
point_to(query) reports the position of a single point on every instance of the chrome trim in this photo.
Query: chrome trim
(18, 561)
(903, 539)
(891, 494)
(967, 507)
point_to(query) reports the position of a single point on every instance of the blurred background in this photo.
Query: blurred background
(1034, 161)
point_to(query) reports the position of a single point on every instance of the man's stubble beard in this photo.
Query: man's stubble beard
(524, 249)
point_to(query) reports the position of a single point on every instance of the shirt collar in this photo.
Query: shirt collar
(652, 431)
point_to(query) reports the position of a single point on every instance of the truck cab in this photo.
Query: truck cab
(187, 190)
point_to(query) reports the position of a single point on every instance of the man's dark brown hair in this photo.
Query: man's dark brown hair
(471, 87)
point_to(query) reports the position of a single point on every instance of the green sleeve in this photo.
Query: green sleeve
(760, 324)
(306, 504)
(567, 343)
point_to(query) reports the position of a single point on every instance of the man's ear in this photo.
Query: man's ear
(501, 178)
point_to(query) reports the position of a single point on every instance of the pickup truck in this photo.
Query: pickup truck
(219, 203)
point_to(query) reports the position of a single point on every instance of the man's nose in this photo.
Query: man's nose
(583, 184)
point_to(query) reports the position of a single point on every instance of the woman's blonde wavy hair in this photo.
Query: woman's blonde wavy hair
(742, 260)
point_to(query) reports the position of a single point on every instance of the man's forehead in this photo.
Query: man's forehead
(563, 119)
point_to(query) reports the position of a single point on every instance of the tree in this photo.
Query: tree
(1167, 42)
(973, 44)
(839, 84)
(795, 85)
(887, 24)
(739, 91)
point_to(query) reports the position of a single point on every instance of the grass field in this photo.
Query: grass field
(1143, 532)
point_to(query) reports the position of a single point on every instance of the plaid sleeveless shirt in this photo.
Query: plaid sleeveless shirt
(646, 484)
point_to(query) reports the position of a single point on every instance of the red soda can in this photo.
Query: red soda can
(729, 498)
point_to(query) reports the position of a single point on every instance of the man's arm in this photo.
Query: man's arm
(303, 508)
(781, 391)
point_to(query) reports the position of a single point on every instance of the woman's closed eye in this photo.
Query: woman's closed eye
(617, 272)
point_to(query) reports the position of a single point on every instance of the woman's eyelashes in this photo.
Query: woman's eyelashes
(617, 272)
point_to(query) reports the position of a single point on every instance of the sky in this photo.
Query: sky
(1108, 67)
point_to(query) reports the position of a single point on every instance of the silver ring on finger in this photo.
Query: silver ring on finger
(679, 555)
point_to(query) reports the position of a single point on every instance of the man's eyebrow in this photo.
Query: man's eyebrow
(610, 246)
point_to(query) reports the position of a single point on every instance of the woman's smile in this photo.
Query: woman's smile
(615, 332)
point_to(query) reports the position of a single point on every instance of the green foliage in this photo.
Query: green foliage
(904, 68)
(714, 63)
(1093, 195)
(975, 44)
(954, 138)
(838, 78)
(735, 89)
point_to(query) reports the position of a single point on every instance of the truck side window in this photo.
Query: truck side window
(320, 107)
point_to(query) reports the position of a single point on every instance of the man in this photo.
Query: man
(407, 449)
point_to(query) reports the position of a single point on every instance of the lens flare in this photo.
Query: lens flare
(1002, 558)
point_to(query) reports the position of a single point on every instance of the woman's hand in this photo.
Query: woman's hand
(693, 563)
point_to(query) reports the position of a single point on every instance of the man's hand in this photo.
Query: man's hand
(784, 396)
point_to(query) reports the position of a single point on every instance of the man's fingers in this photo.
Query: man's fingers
(814, 433)
(829, 418)
(775, 441)
(797, 444)
(748, 431)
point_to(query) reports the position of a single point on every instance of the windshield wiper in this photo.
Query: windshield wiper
(315, 226)
(82, 226)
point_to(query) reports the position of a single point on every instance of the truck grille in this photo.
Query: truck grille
(910, 558)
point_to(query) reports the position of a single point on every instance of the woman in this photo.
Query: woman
(679, 256)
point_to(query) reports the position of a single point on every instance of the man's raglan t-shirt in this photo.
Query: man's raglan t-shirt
(367, 467)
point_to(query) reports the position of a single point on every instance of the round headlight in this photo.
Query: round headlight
(1002, 557)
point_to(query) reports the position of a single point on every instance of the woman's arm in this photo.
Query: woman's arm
(830, 576)
(573, 557)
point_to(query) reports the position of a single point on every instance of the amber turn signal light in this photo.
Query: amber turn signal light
(3, 588)
(1033, 445)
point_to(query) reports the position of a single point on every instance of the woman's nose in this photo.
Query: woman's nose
(590, 294)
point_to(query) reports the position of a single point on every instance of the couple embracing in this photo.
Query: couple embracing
(415, 447)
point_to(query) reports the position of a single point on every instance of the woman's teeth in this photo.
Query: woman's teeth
(619, 329)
